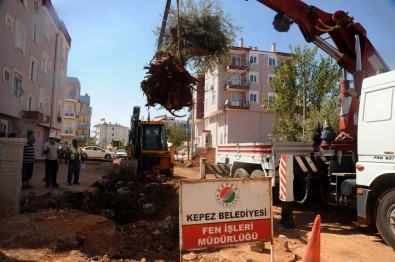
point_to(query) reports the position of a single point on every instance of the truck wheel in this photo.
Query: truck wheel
(128, 169)
(275, 194)
(385, 218)
(241, 173)
(257, 174)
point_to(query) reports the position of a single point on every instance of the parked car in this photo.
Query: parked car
(181, 155)
(183, 152)
(96, 152)
(121, 153)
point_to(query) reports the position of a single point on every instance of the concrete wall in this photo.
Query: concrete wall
(11, 156)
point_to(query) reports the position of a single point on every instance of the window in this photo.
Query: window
(9, 22)
(20, 38)
(253, 96)
(35, 31)
(4, 125)
(47, 28)
(33, 69)
(237, 60)
(235, 79)
(30, 103)
(253, 59)
(272, 61)
(17, 87)
(6, 75)
(235, 99)
(44, 63)
(270, 78)
(253, 78)
(42, 99)
(271, 97)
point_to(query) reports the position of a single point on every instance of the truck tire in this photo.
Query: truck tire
(385, 218)
(128, 169)
(241, 173)
(257, 174)
(275, 194)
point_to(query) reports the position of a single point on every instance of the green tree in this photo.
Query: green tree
(177, 134)
(200, 32)
(303, 80)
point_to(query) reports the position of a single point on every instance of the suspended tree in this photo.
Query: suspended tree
(197, 35)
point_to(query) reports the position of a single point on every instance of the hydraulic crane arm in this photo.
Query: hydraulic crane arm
(349, 46)
(341, 28)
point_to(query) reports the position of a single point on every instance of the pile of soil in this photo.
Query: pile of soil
(207, 153)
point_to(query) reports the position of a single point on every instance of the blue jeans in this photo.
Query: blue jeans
(51, 172)
(73, 168)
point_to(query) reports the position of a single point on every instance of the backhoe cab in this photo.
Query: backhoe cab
(147, 149)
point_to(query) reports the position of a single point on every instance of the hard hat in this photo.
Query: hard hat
(52, 135)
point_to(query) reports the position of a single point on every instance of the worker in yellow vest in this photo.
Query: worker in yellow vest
(74, 159)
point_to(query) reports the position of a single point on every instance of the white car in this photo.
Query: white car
(96, 152)
(121, 153)
(181, 155)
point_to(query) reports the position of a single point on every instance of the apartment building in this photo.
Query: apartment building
(34, 50)
(110, 135)
(84, 120)
(228, 100)
(170, 121)
(71, 109)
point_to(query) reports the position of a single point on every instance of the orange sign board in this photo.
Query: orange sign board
(216, 213)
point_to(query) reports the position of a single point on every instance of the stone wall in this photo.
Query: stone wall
(11, 156)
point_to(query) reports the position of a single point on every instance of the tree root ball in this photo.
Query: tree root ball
(168, 84)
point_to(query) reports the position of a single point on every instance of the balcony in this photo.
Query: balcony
(36, 116)
(69, 115)
(69, 131)
(238, 67)
(238, 104)
(237, 85)
(83, 125)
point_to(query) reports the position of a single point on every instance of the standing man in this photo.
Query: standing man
(28, 160)
(73, 156)
(51, 151)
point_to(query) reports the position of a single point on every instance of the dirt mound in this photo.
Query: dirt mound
(119, 219)
(208, 153)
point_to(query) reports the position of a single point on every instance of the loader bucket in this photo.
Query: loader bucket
(128, 169)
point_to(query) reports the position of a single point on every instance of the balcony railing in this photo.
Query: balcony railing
(36, 116)
(238, 66)
(69, 114)
(82, 125)
(238, 104)
(69, 131)
(238, 85)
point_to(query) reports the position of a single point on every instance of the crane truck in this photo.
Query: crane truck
(357, 167)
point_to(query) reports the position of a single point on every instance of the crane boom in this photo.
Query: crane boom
(341, 28)
(347, 43)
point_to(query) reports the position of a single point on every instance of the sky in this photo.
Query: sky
(112, 41)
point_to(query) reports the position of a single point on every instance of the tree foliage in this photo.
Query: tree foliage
(177, 134)
(206, 32)
(319, 78)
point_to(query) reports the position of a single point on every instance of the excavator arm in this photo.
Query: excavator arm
(344, 40)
